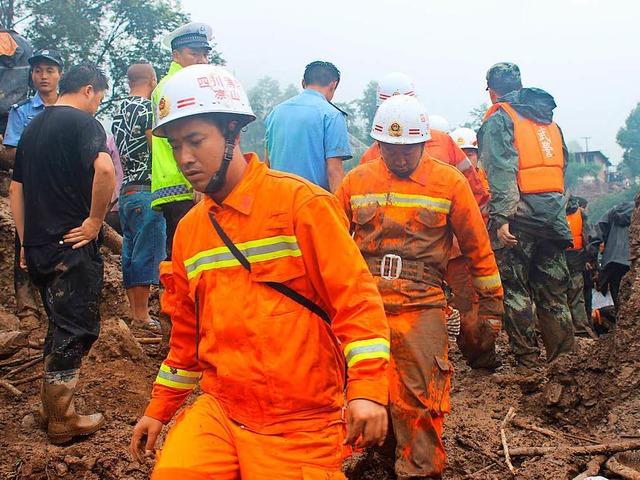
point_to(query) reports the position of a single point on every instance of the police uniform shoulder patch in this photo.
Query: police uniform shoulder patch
(20, 104)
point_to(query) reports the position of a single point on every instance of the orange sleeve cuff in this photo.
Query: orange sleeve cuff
(165, 402)
(374, 390)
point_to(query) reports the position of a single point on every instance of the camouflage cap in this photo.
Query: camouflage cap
(504, 77)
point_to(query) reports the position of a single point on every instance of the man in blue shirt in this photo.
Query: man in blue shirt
(307, 135)
(46, 69)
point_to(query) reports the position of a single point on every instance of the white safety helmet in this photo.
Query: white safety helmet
(401, 120)
(438, 122)
(465, 137)
(394, 83)
(200, 89)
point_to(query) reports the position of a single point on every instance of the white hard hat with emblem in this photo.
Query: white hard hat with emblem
(194, 34)
(394, 83)
(200, 89)
(465, 137)
(401, 120)
(438, 122)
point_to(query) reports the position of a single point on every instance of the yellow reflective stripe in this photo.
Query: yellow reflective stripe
(366, 349)
(440, 205)
(254, 250)
(177, 378)
(487, 282)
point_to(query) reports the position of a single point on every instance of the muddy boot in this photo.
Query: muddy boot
(57, 398)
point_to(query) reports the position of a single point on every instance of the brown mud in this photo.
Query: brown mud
(590, 397)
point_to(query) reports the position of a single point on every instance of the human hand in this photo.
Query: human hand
(366, 418)
(143, 441)
(23, 261)
(83, 234)
(505, 236)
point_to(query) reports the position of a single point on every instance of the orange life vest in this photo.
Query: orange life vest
(575, 224)
(541, 159)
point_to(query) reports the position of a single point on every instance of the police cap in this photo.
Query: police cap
(194, 35)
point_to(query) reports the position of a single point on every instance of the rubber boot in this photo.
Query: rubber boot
(57, 399)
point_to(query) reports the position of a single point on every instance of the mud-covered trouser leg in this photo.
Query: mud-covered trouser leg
(70, 283)
(549, 282)
(575, 299)
(476, 341)
(26, 303)
(419, 382)
(205, 443)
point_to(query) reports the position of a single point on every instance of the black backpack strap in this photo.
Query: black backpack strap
(280, 287)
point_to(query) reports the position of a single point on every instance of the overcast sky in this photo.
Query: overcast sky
(586, 53)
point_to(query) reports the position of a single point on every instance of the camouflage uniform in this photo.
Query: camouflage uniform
(535, 270)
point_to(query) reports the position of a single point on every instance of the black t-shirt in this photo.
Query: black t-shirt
(54, 163)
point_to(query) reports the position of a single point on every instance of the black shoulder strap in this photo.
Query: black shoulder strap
(280, 287)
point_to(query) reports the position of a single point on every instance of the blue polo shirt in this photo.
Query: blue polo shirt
(19, 117)
(303, 132)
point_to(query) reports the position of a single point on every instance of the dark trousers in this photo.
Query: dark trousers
(173, 213)
(70, 284)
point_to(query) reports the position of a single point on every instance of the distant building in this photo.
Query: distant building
(595, 157)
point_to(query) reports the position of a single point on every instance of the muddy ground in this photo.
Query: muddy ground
(591, 398)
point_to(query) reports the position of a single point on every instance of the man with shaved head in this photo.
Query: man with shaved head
(143, 229)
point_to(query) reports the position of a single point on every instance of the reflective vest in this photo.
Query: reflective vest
(167, 182)
(575, 224)
(541, 159)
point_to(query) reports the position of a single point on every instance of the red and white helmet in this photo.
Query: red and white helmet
(438, 122)
(394, 83)
(199, 89)
(465, 137)
(401, 120)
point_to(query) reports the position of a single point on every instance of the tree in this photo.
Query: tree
(111, 33)
(264, 97)
(629, 140)
(367, 106)
(476, 116)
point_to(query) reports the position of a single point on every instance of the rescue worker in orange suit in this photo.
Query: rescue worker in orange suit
(270, 300)
(523, 152)
(405, 208)
(576, 257)
(476, 343)
(439, 146)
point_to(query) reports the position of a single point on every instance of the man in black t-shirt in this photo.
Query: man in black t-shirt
(62, 183)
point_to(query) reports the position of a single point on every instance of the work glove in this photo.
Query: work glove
(453, 321)
(494, 323)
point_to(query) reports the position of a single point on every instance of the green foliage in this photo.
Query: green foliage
(367, 106)
(598, 207)
(264, 97)
(576, 170)
(111, 33)
(476, 116)
(629, 140)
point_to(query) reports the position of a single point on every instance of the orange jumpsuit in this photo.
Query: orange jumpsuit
(272, 372)
(404, 228)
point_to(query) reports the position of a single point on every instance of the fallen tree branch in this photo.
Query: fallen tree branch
(503, 436)
(482, 470)
(36, 345)
(619, 469)
(32, 378)
(578, 437)
(604, 449)
(23, 367)
(10, 388)
(149, 340)
(593, 468)
(534, 428)
(18, 361)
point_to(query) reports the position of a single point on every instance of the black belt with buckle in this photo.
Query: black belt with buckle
(393, 267)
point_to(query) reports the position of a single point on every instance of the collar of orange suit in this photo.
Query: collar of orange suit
(242, 196)
(420, 175)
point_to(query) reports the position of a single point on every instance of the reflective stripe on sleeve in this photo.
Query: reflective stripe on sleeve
(440, 205)
(255, 251)
(177, 378)
(488, 282)
(365, 350)
(464, 165)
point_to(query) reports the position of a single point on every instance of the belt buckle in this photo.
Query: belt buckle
(387, 265)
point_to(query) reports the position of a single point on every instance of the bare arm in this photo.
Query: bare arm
(17, 210)
(335, 172)
(104, 181)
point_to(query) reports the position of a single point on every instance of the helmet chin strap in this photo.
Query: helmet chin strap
(219, 178)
